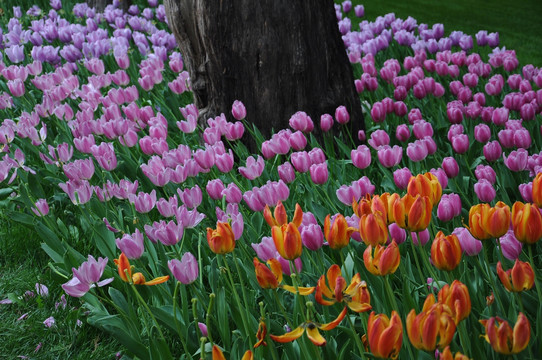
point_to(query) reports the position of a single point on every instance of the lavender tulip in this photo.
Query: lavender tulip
(186, 270)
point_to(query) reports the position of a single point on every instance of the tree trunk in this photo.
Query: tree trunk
(276, 56)
(100, 5)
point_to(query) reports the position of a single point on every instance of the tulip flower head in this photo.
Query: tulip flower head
(356, 295)
(279, 216)
(505, 340)
(311, 328)
(526, 222)
(222, 239)
(433, 326)
(446, 251)
(126, 273)
(338, 232)
(426, 185)
(447, 355)
(271, 277)
(457, 297)
(520, 277)
(382, 260)
(385, 335)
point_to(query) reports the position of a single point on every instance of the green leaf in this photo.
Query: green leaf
(20, 217)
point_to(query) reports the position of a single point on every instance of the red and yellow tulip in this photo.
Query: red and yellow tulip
(384, 260)
(526, 222)
(271, 277)
(476, 214)
(505, 340)
(385, 335)
(219, 355)
(356, 295)
(287, 240)
(337, 234)
(279, 216)
(447, 355)
(221, 240)
(311, 328)
(373, 229)
(412, 213)
(260, 335)
(537, 190)
(517, 279)
(496, 221)
(433, 326)
(446, 251)
(456, 297)
(125, 272)
(425, 185)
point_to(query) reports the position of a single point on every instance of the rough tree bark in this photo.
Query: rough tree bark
(276, 56)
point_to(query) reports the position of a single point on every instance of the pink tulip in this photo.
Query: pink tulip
(379, 138)
(482, 133)
(169, 233)
(302, 122)
(16, 87)
(401, 177)
(522, 138)
(286, 172)
(131, 245)
(421, 129)
(492, 151)
(214, 189)
(224, 162)
(238, 110)
(186, 270)
(319, 173)
(400, 93)
(378, 112)
(253, 201)
(416, 151)
(413, 115)
(500, 116)
(361, 157)
(253, 168)
(301, 161)
(449, 207)
(421, 237)
(469, 244)
(516, 160)
(298, 141)
(234, 131)
(441, 176)
(326, 122)
(143, 202)
(167, 207)
(526, 191)
(402, 133)
(233, 194)
(105, 155)
(510, 246)
(86, 277)
(41, 207)
(312, 236)
(460, 143)
(389, 156)
(341, 115)
(484, 190)
(191, 197)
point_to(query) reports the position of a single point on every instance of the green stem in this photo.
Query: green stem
(208, 316)
(294, 276)
(393, 301)
(177, 325)
(489, 276)
(242, 310)
(531, 260)
(358, 339)
(282, 310)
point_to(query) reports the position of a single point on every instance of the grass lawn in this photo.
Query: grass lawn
(518, 23)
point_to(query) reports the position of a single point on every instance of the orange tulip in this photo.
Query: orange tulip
(476, 214)
(446, 251)
(384, 260)
(218, 355)
(388, 200)
(337, 234)
(385, 335)
(280, 217)
(537, 190)
(271, 278)
(287, 240)
(373, 229)
(517, 279)
(356, 295)
(312, 331)
(412, 213)
(363, 207)
(125, 272)
(221, 240)
(497, 220)
(260, 335)
(526, 222)
(457, 297)
(447, 355)
(434, 321)
(503, 339)
(425, 185)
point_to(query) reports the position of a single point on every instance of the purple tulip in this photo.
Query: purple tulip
(450, 166)
(131, 245)
(233, 194)
(492, 151)
(143, 202)
(301, 161)
(516, 160)
(266, 249)
(396, 233)
(186, 270)
(389, 156)
(286, 172)
(312, 236)
(484, 190)
(319, 173)
(341, 115)
(253, 168)
(449, 207)
(469, 244)
(203, 328)
(526, 191)
(460, 143)
(326, 122)
(401, 177)
(359, 10)
(482, 133)
(238, 110)
(361, 157)
(422, 236)
(41, 207)
(510, 246)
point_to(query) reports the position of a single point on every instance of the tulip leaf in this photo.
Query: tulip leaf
(222, 315)
(20, 217)
(105, 241)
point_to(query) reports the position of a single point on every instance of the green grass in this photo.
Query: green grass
(24, 264)
(518, 23)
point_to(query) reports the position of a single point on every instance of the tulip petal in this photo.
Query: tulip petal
(334, 323)
(289, 336)
(156, 281)
(315, 336)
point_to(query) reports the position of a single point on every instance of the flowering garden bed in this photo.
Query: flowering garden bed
(421, 243)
